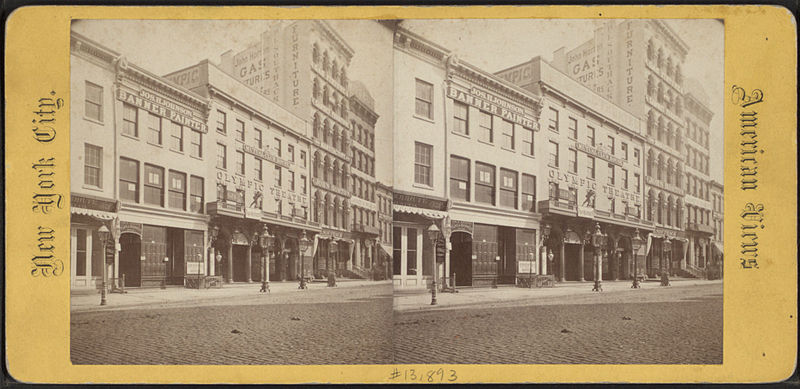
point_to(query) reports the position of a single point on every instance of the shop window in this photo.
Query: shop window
(460, 118)
(397, 251)
(196, 190)
(240, 130)
(93, 107)
(459, 178)
(154, 134)
(423, 163)
(129, 180)
(196, 144)
(176, 136)
(508, 188)
(411, 252)
(222, 156)
(507, 133)
(424, 99)
(527, 141)
(573, 128)
(484, 183)
(130, 115)
(80, 252)
(153, 185)
(93, 166)
(177, 190)
(528, 187)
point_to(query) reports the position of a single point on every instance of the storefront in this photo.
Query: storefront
(87, 250)
(413, 253)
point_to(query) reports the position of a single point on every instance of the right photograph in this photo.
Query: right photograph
(557, 191)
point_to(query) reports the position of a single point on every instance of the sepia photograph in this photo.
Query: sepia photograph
(405, 191)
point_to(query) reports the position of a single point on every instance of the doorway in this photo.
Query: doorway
(240, 263)
(130, 259)
(461, 258)
(572, 262)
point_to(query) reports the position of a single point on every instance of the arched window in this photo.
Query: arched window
(343, 76)
(316, 125)
(326, 129)
(659, 209)
(326, 98)
(670, 134)
(335, 140)
(317, 208)
(660, 92)
(651, 85)
(651, 122)
(660, 58)
(669, 67)
(316, 88)
(325, 63)
(335, 70)
(669, 171)
(678, 74)
(315, 165)
(315, 53)
(343, 109)
(660, 133)
(660, 168)
(335, 173)
(344, 177)
(650, 49)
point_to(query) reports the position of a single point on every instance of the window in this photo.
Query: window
(590, 166)
(528, 193)
(411, 252)
(258, 138)
(636, 158)
(221, 122)
(573, 160)
(459, 178)
(611, 176)
(222, 156)
(196, 192)
(93, 166)
(527, 141)
(80, 252)
(484, 183)
(303, 187)
(130, 117)
(240, 130)
(553, 120)
(486, 130)
(291, 180)
(461, 118)
(590, 135)
(302, 158)
(278, 178)
(278, 147)
(624, 147)
(240, 162)
(553, 154)
(177, 190)
(153, 185)
(290, 151)
(424, 99)
(176, 136)
(423, 163)
(508, 188)
(625, 178)
(573, 128)
(94, 102)
(259, 166)
(397, 251)
(153, 129)
(196, 144)
(611, 145)
(129, 180)
(507, 132)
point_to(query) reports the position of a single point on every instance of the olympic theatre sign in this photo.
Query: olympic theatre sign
(490, 103)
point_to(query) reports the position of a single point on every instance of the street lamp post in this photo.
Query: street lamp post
(636, 244)
(664, 274)
(333, 250)
(266, 239)
(597, 242)
(104, 233)
(302, 245)
(433, 236)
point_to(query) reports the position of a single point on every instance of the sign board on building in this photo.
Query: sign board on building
(192, 77)
(265, 155)
(131, 228)
(599, 153)
(280, 193)
(462, 226)
(194, 268)
(526, 267)
(93, 203)
(162, 107)
(581, 182)
(587, 212)
(493, 104)
(238, 181)
(518, 75)
(419, 202)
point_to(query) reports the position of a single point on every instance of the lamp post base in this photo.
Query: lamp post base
(264, 287)
(598, 286)
(433, 294)
(103, 294)
(302, 283)
(635, 283)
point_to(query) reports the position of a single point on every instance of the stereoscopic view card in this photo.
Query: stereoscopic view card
(401, 194)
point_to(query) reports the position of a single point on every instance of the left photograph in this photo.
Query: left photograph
(231, 189)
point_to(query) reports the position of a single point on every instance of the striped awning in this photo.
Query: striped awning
(718, 246)
(103, 215)
(431, 213)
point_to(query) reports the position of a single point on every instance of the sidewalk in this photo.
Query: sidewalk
(136, 297)
(420, 299)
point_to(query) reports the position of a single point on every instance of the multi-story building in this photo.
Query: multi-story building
(718, 217)
(259, 164)
(383, 194)
(594, 168)
(303, 66)
(638, 64)
(465, 164)
(138, 153)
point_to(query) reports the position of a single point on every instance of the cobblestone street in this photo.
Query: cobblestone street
(347, 325)
(648, 326)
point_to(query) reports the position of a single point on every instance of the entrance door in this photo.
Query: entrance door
(240, 263)
(461, 258)
(130, 259)
(572, 262)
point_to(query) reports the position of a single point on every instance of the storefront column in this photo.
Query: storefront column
(229, 277)
(249, 268)
(212, 261)
(616, 265)
(580, 264)
(562, 262)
